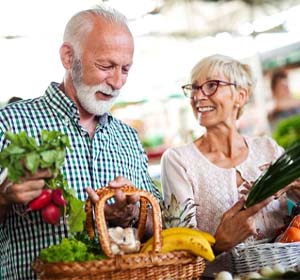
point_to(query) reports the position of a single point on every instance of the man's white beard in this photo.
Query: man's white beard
(87, 94)
(87, 98)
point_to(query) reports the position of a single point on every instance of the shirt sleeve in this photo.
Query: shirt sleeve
(175, 180)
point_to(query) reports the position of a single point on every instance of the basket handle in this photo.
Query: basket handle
(145, 198)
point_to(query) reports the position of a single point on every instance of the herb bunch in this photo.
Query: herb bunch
(278, 175)
(23, 155)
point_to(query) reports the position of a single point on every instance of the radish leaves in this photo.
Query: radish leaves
(24, 155)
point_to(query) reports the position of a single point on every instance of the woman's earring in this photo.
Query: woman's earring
(237, 105)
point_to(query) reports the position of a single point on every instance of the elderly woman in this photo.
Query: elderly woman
(217, 169)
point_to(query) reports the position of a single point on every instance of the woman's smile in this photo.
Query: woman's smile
(205, 109)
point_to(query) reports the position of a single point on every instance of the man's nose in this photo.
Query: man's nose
(116, 80)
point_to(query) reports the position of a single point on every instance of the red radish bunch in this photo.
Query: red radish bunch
(49, 202)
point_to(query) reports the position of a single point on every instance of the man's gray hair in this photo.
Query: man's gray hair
(82, 23)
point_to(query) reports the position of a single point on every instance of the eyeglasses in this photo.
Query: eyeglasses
(208, 88)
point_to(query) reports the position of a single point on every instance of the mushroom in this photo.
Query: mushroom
(123, 240)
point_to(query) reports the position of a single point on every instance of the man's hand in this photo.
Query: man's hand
(237, 225)
(26, 190)
(29, 188)
(124, 211)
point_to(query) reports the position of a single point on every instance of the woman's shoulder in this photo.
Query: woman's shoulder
(179, 152)
(263, 144)
(260, 140)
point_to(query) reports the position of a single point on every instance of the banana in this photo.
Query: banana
(190, 231)
(179, 230)
(188, 239)
(197, 245)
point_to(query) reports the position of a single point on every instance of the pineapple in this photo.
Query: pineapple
(174, 215)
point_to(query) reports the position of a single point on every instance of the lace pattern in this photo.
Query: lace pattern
(214, 188)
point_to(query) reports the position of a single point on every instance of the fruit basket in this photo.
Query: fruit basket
(252, 257)
(149, 265)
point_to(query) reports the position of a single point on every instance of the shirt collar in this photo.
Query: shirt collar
(65, 106)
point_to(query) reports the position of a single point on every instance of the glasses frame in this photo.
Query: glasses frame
(194, 87)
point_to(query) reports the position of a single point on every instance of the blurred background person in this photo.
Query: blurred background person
(284, 104)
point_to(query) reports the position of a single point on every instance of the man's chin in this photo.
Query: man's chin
(97, 110)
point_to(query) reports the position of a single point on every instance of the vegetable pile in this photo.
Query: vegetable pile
(23, 155)
(275, 272)
(79, 248)
(278, 175)
(292, 232)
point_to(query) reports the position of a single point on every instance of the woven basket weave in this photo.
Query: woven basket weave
(247, 258)
(153, 265)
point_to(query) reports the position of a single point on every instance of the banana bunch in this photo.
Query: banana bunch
(182, 238)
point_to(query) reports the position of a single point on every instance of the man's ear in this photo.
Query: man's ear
(66, 55)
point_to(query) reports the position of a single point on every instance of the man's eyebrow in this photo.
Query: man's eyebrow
(104, 61)
(112, 62)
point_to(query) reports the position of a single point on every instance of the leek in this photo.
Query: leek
(278, 175)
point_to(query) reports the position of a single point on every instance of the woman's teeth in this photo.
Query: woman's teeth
(205, 109)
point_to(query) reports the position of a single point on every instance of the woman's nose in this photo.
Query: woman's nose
(198, 94)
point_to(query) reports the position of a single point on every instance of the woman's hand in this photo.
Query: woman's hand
(124, 211)
(237, 224)
(293, 190)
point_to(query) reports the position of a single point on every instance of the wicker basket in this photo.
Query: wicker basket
(153, 265)
(252, 257)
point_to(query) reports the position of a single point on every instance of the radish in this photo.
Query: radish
(57, 197)
(41, 201)
(51, 214)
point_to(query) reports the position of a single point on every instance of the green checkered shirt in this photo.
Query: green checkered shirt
(114, 151)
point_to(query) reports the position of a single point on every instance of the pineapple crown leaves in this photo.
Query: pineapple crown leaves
(174, 215)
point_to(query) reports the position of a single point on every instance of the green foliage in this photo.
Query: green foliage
(279, 174)
(70, 250)
(93, 245)
(23, 154)
(287, 131)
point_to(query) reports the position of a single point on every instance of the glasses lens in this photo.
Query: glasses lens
(210, 87)
(188, 89)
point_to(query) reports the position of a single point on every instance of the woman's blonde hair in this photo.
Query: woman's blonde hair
(235, 71)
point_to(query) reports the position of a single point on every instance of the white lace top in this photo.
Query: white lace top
(186, 172)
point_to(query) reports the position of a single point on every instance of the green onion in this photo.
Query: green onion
(278, 175)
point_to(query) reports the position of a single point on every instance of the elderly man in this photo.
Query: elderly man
(97, 55)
